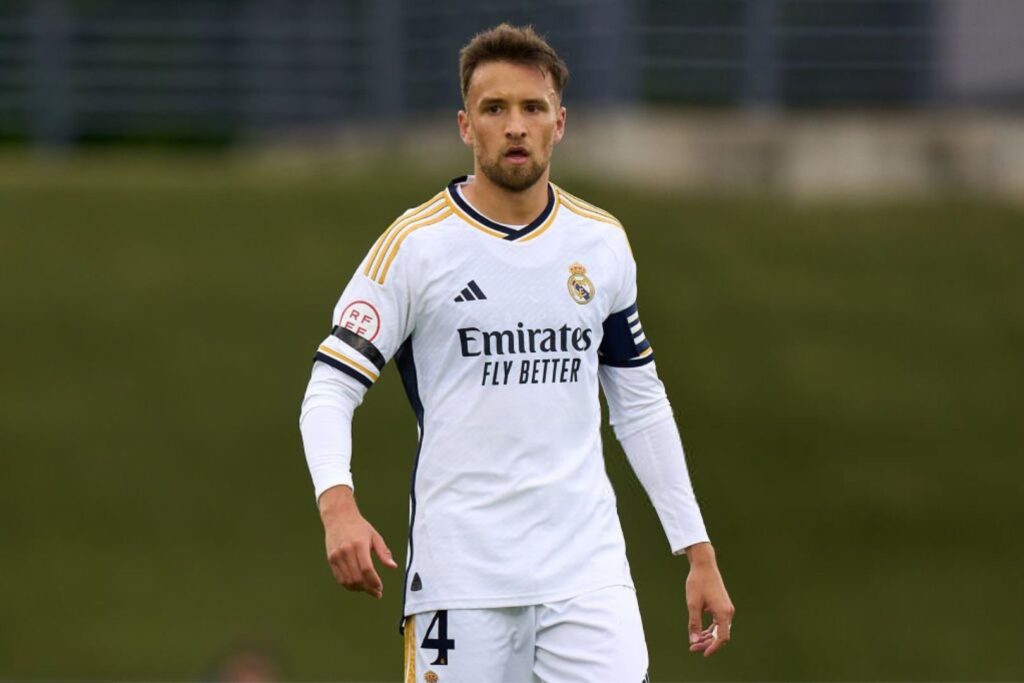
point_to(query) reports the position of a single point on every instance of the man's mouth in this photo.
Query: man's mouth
(517, 155)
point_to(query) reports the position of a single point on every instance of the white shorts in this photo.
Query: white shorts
(597, 636)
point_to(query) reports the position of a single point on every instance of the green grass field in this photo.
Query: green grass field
(847, 379)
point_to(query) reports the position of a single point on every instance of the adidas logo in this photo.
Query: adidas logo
(470, 292)
(417, 584)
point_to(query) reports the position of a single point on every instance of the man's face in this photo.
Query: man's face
(513, 119)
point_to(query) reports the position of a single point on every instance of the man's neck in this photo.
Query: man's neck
(505, 206)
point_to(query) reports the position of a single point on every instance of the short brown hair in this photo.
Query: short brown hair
(517, 44)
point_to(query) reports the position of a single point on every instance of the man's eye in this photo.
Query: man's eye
(494, 109)
(532, 108)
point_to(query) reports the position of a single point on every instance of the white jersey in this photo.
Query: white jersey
(498, 333)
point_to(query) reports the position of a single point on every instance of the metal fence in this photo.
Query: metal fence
(221, 69)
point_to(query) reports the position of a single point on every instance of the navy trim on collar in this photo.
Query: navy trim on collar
(510, 233)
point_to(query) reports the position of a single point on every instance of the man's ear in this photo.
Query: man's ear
(560, 125)
(465, 128)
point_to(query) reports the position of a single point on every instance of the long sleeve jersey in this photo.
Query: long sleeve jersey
(503, 336)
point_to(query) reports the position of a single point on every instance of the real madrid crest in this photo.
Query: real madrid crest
(581, 289)
(431, 677)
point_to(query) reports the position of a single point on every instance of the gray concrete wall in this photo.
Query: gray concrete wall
(809, 155)
(820, 155)
(981, 50)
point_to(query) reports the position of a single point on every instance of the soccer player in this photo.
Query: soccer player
(507, 302)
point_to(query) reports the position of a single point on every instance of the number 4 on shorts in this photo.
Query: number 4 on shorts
(441, 643)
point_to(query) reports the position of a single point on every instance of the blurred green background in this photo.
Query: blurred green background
(847, 378)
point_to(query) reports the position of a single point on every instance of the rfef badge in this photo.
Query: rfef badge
(362, 318)
(581, 289)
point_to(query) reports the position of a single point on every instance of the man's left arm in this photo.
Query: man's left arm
(644, 424)
(642, 418)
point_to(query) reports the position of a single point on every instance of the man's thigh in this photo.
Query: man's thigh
(597, 636)
(470, 646)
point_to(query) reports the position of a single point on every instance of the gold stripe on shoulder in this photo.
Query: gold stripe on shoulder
(432, 210)
(590, 214)
(410, 215)
(590, 209)
(395, 238)
(405, 232)
(469, 219)
(404, 219)
(585, 204)
(593, 207)
(383, 235)
(593, 214)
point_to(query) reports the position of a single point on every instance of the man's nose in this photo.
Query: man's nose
(515, 126)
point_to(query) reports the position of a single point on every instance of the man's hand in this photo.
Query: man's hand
(350, 539)
(705, 592)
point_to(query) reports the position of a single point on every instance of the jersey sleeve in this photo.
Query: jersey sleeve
(641, 415)
(635, 395)
(624, 344)
(371, 320)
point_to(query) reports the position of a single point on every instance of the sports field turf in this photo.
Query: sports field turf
(848, 380)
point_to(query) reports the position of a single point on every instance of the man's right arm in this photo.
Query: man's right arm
(370, 321)
(326, 426)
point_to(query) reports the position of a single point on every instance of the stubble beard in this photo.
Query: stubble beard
(515, 178)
